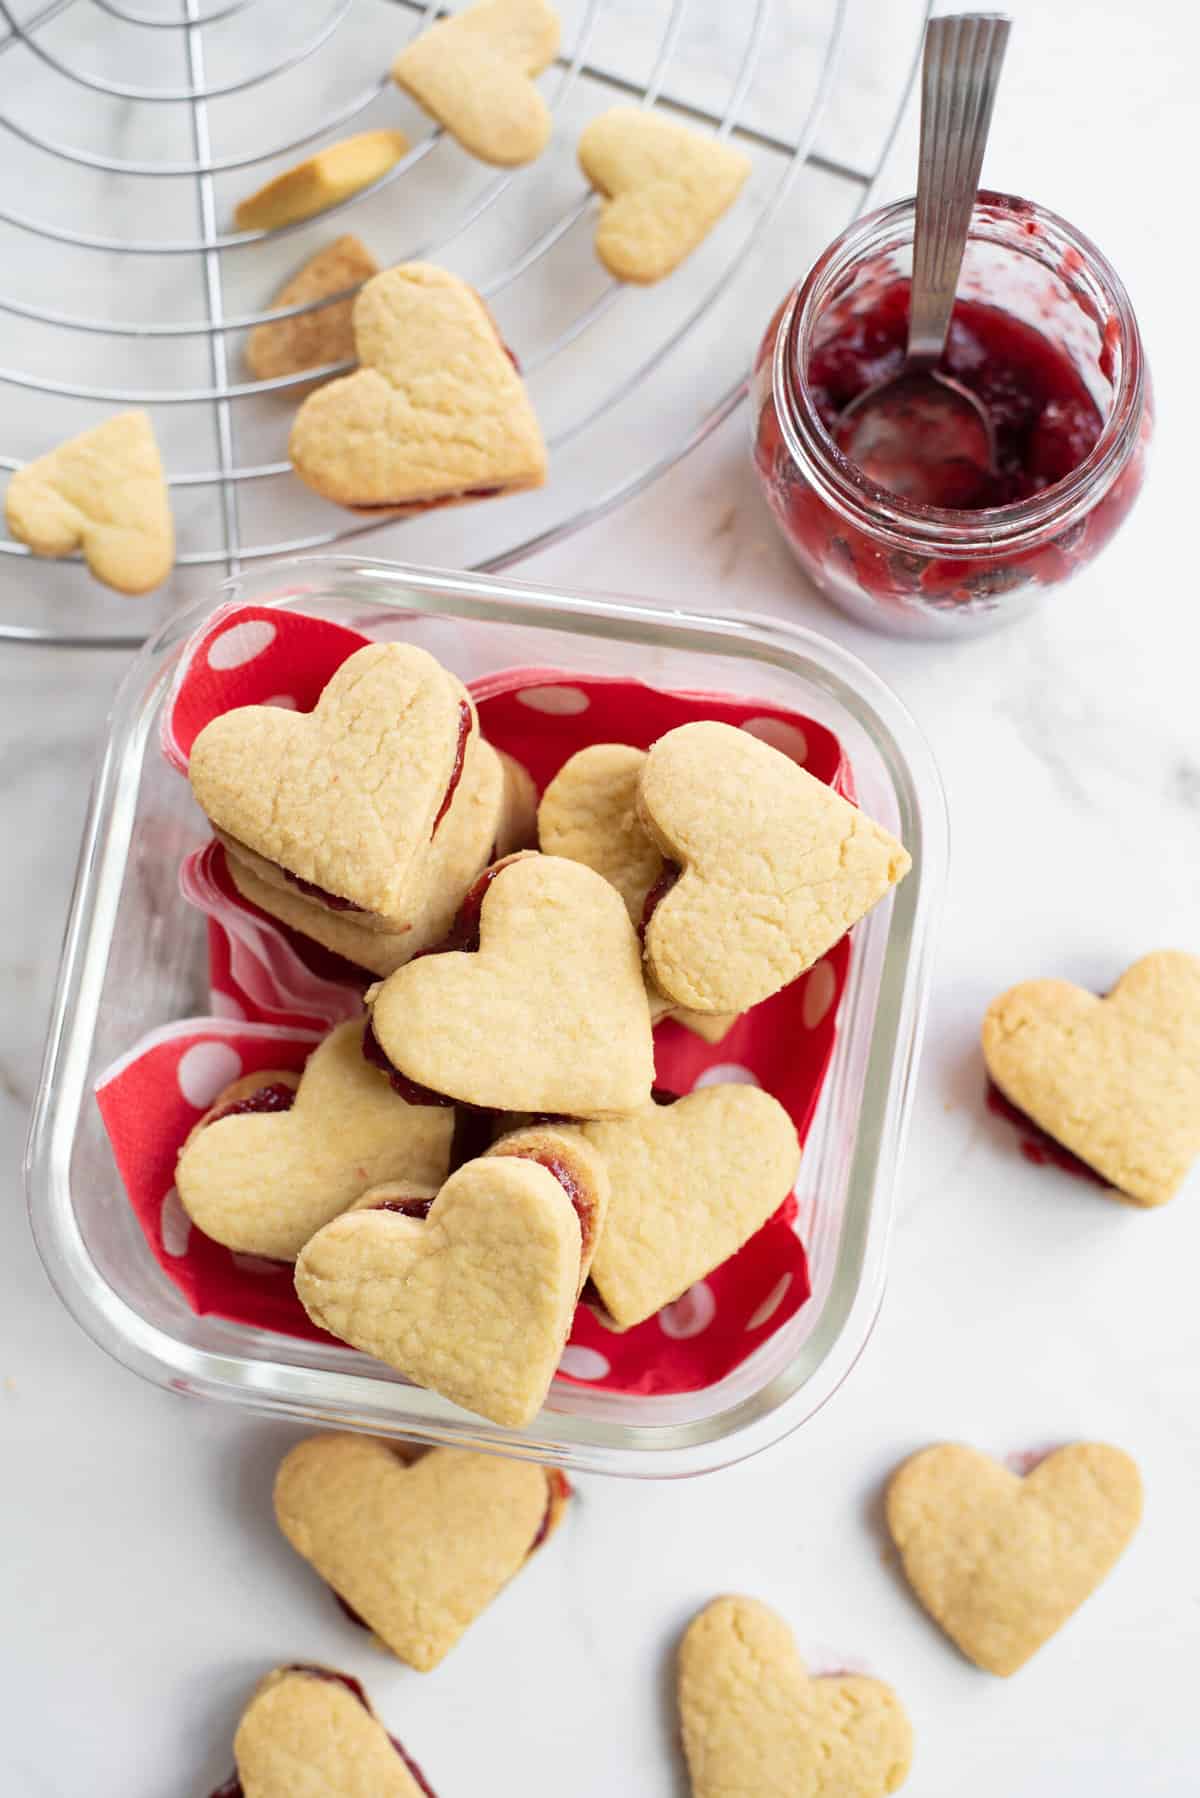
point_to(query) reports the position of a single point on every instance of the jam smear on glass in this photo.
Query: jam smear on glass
(275, 1096)
(1037, 1145)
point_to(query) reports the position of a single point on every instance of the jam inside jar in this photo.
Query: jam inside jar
(1043, 333)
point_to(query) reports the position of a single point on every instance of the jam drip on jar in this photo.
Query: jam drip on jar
(1037, 1145)
(657, 894)
(460, 756)
(1044, 420)
(273, 1097)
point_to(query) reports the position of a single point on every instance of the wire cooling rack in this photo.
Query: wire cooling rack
(128, 133)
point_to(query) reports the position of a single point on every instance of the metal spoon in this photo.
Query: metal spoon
(921, 434)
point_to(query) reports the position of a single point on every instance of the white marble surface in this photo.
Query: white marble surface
(141, 1582)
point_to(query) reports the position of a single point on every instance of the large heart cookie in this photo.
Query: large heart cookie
(417, 1549)
(690, 1183)
(309, 1732)
(1001, 1562)
(321, 180)
(262, 1177)
(775, 867)
(435, 412)
(1116, 1080)
(665, 187)
(348, 798)
(473, 73)
(755, 1725)
(579, 1169)
(313, 339)
(473, 1301)
(589, 814)
(548, 1014)
(103, 493)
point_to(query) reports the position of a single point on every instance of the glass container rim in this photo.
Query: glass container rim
(884, 515)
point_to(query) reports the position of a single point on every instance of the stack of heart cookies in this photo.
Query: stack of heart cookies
(452, 1171)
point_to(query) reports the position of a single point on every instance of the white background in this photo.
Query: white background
(142, 1585)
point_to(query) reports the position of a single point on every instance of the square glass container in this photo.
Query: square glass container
(134, 958)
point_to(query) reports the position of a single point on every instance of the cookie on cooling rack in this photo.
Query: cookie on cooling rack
(320, 181)
(473, 74)
(102, 493)
(436, 412)
(287, 346)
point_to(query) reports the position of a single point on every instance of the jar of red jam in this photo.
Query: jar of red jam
(1043, 333)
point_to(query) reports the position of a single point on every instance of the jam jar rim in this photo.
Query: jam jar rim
(901, 523)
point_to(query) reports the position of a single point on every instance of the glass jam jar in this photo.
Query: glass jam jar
(1044, 332)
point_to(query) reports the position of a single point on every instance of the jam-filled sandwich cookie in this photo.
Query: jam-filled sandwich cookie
(473, 73)
(691, 1181)
(346, 804)
(1115, 1080)
(773, 867)
(665, 186)
(278, 1155)
(588, 813)
(536, 1005)
(436, 411)
(310, 1730)
(470, 1293)
(756, 1725)
(1000, 1561)
(103, 493)
(492, 813)
(417, 1549)
(288, 346)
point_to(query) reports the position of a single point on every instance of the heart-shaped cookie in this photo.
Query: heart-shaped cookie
(287, 346)
(103, 493)
(549, 1014)
(309, 1732)
(755, 1725)
(473, 74)
(320, 181)
(473, 1301)
(262, 1178)
(436, 411)
(588, 813)
(665, 186)
(1115, 1080)
(579, 1169)
(1001, 1562)
(775, 867)
(351, 796)
(690, 1183)
(417, 1549)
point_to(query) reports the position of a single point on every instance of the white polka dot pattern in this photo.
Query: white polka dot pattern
(583, 1363)
(789, 739)
(204, 1069)
(690, 1314)
(556, 702)
(241, 643)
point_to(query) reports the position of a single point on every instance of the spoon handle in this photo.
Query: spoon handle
(959, 75)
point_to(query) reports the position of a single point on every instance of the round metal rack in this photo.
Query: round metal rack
(122, 286)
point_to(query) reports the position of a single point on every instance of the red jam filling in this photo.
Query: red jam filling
(460, 756)
(411, 1091)
(334, 901)
(581, 1199)
(662, 1095)
(1044, 421)
(233, 1786)
(657, 894)
(558, 1491)
(419, 1208)
(1037, 1145)
(273, 1097)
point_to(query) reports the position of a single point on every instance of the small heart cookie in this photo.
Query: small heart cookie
(588, 813)
(417, 1549)
(547, 1014)
(1001, 1562)
(755, 1725)
(262, 1177)
(309, 1732)
(103, 493)
(473, 1301)
(473, 73)
(665, 186)
(435, 412)
(287, 346)
(775, 867)
(1115, 1080)
(320, 181)
(690, 1183)
(348, 798)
